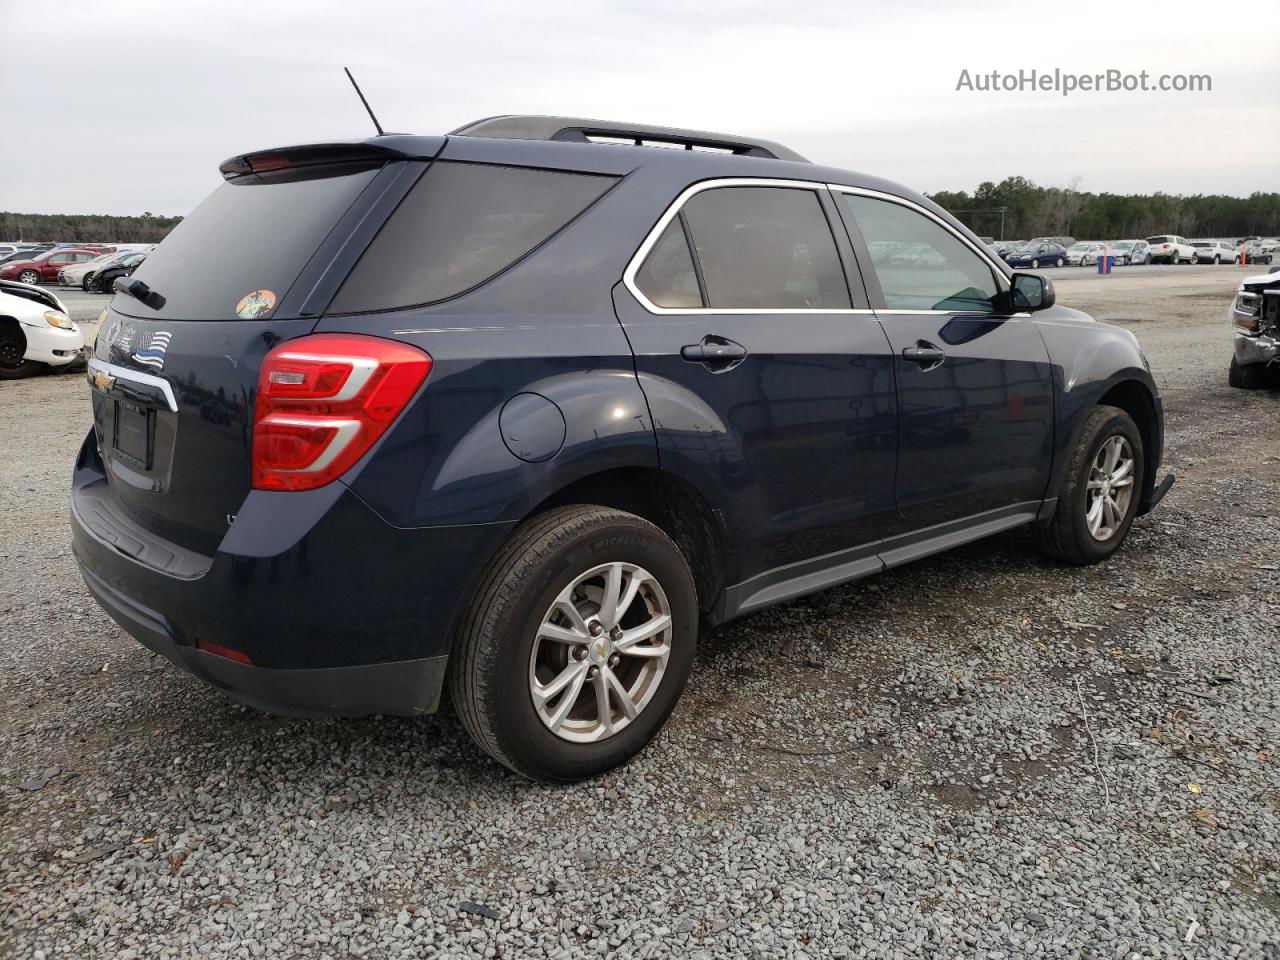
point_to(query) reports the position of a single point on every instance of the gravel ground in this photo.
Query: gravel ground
(981, 755)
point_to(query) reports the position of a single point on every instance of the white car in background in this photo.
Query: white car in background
(1214, 251)
(1168, 248)
(1083, 254)
(35, 331)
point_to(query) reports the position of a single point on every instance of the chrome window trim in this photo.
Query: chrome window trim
(124, 373)
(672, 211)
(651, 239)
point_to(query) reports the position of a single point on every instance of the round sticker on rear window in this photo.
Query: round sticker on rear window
(255, 305)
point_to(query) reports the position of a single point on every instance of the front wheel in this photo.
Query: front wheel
(1100, 492)
(576, 645)
(1247, 376)
(87, 283)
(12, 347)
(30, 277)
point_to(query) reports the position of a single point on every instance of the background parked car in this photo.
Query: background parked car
(1167, 248)
(35, 331)
(1084, 254)
(82, 274)
(107, 275)
(1254, 250)
(44, 267)
(1130, 251)
(1037, 254)
(1213, 251)
(1063, 242)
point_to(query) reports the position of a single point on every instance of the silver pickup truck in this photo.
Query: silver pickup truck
(1255, 316)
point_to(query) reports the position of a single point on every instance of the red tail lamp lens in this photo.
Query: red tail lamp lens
(323, 401)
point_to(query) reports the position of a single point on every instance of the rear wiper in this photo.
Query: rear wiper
(139, 291)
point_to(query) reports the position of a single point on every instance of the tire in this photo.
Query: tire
(1035, 264)
(1247, 376)
(1195, 259)
(1175, 259)
(30, 277)
(12, 346)
(87, 283)
(1059, 262)
(498, 653)
(1067, 536)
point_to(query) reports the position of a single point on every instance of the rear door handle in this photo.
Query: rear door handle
(715, 353)
(927, 354)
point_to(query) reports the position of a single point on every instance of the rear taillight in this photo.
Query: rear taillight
(322, 402)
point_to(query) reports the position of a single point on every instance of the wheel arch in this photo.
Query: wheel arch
(669, 502)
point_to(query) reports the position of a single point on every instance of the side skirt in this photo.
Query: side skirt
(832, 569)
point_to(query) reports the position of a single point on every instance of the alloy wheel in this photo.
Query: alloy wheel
(29, 277)
(1109, 491)
(601, 652)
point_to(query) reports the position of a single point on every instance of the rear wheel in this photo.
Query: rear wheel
(1175, 259)
(1035, 264)
(1247, 376)
(577, 644)
(1100, 492)
(12, 346)
(1059, 262)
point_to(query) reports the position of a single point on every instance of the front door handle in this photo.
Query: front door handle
(927, 354)
(715, 353)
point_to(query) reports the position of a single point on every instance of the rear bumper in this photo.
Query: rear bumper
(314, 606)
(401, 688)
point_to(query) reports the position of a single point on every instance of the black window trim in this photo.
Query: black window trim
(676, 209)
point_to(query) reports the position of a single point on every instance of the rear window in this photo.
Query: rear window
(460, 225)
(1159, 239)
(249, 235)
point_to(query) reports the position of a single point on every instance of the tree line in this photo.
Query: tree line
(1030, 211)
(85, 228)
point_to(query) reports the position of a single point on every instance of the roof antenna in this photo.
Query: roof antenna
(377, 126)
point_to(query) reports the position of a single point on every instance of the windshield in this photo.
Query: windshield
(251, 238)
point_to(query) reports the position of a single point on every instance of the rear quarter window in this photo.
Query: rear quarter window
(460, 225)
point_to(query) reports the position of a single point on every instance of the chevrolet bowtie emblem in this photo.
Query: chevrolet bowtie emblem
(102, 380)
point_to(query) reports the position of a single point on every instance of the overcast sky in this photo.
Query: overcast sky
(125, 106)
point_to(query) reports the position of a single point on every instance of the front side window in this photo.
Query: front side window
(941, 272)
(460, 225)
(766, 248)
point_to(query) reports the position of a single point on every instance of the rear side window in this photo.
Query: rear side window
(248, 235)
(668, 277)
(461, 224)
(766, 248)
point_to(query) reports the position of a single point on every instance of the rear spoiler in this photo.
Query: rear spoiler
(375, 150)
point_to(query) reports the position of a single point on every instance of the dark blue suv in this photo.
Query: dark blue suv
(512, 409)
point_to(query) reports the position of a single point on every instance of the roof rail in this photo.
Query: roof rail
(579, 130)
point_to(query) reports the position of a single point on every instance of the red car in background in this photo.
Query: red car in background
(44, 267)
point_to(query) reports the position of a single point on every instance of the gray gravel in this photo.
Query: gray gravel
(982, 755)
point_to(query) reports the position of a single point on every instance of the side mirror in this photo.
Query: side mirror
(1030, 292)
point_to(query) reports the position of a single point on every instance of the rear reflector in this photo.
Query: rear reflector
(323, 401)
